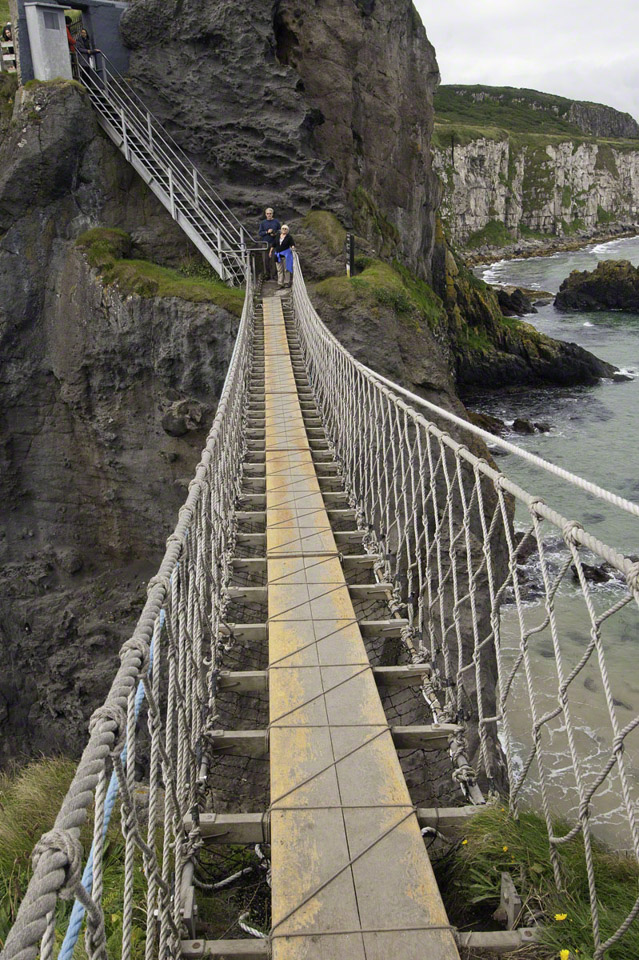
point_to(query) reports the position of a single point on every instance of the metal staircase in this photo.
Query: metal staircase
(175, 181)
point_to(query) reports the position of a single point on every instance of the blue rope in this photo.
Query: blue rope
(77, 914)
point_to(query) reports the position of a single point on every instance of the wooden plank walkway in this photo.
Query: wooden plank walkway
(351, 879)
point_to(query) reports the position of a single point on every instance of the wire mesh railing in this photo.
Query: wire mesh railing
(156, 713)
(524, 650)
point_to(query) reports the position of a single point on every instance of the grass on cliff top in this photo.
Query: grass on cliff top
(514, 109)
(385, 285)
(109, 249)
(29, 802)
(326, 228)
(494, 843)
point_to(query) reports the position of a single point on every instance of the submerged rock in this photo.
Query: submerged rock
(612, 285)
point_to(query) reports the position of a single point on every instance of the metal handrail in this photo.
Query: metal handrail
(179, 183)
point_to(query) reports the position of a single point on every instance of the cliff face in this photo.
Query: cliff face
(90, 481)
(497, 192)
(300, 106)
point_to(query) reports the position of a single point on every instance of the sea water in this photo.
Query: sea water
(593, 432)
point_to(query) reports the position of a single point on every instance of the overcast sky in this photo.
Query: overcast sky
(585, 51)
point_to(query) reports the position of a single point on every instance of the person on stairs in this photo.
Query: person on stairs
(269, 229)
(85, 49)
(284, 258)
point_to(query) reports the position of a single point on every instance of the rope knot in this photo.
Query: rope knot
(569, 530)
(632, 578)
(174, 538)
(111, 713)
(61, 841)
(159, 581)
(139, 646)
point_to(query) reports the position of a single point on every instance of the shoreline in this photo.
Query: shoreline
(526, 249)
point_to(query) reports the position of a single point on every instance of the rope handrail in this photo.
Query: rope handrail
(482, 601)
(587, 485)
(172, 613)
(440, 520)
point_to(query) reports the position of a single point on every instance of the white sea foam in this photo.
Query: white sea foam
(588, 324)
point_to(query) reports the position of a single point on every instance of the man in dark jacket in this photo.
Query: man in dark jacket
(269, 232)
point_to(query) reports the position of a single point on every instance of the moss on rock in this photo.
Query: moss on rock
(109, 251)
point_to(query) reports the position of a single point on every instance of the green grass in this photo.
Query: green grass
(388, 285)
(509, 108)
(109, 251)
(5, 15)
(29, 802)
(494, 234)
(605, 216)
(328, 229)
(494, 842)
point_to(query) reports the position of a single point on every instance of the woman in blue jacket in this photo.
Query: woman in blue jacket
(283, 250)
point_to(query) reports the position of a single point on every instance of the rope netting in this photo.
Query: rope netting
(520, 650)
(523, 650)
(170, 663)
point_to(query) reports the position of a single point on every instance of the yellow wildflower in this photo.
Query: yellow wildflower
(560, 916)
(564, 955)
(505, 848)
(464, 842)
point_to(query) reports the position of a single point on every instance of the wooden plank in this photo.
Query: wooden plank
(225, 949)
(498, 941)
(428, 737)
(232, 827)
(339, 872)
(240, 743)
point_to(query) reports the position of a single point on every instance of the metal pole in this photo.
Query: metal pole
(150, 130)
(125, 141)
(350, 255)
(196, 188)
(172, 195)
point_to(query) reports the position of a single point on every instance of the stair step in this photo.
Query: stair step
(251, 828)
(252, 681)
(255, 743)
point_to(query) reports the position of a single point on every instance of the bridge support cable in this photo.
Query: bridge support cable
(500, 605)
(182, 615)
(488, 607)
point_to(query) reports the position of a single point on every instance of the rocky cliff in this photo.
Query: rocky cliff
(300, 106)
(516, 173)
(90, 479)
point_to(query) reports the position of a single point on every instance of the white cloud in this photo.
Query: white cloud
(585, 51)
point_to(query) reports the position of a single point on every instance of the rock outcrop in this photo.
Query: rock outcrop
(90, 480)
(490, 351)
(300, 106)
(612, 285)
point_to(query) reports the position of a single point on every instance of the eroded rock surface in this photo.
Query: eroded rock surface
(87, 471)
(300, 106)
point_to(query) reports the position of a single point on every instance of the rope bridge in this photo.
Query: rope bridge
(450, 541)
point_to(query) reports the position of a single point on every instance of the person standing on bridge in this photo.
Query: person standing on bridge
(269, 229)
(284, 256)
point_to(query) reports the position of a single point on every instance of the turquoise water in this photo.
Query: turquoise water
(594, 434)
(594, 429)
